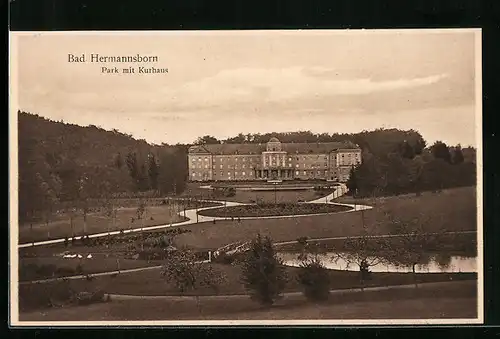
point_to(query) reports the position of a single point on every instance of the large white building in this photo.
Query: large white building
(273, 161)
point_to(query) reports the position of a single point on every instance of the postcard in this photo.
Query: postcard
(260, 177)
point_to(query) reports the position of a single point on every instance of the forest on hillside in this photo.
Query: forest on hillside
(63, 164)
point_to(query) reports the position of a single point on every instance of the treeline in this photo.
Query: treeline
(411, 168)
(61, 162)
(394, 161)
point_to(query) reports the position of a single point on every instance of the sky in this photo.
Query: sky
(222, 83)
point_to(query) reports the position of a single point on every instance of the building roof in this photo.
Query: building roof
(274, 139)
(247, 148)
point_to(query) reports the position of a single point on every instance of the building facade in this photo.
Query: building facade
(274, 160)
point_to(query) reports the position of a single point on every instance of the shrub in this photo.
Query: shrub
(263, 273)
(224, 258)
(302, 241)
(39, 296)
(314, 279)
(97, 296)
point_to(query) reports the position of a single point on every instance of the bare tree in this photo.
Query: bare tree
(188, 273)
(108, 205)
(141, 211)
(413, 241)
(83, 197)
(365, 251)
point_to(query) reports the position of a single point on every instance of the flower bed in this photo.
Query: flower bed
(267, 209)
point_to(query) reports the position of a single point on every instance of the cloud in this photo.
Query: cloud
(261, 85)
(239, 89)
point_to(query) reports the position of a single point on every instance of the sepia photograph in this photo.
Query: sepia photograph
(246, 177)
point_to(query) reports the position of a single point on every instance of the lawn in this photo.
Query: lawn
(452, 210)
(126, 218)
(50, 267)
(123, 251)
(111, 244)
(457, 300)
(271, 209)
(134, 283)
(445, 244)
(289, 196)
(463, 194)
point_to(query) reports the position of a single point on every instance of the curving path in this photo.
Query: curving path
(101, 274)
(440, 284)
(193, 217)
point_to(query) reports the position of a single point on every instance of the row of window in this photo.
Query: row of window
(236, 173)
(266, 164)
(194, 166)
(304, 158)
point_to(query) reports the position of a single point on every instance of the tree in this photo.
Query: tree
(153, 172)
(413, 242)
(140, 212)
(364, 250)
(352, 182)
(48, 198)
(166, 173)
(83, 196)
(180, 169)
(415, 169)
(133, 168)
(207, 140)
(239, 139)
(441, 151)
(118, 162)
(108, 204)
(370, 175)
(188, 273)
(458, 156)
(436, 174)
(142, 180)
(406, 150)
(419, 146)
(398, 176)
(263, 273)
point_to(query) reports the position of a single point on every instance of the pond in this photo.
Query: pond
(434, 264)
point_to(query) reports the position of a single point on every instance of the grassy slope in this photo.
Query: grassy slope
(458, 300)
(68, 267)
(453, 209)
(458, 206)
(134, 283)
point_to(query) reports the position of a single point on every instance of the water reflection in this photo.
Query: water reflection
(438, 263)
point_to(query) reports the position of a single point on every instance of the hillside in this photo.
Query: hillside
(66, 162)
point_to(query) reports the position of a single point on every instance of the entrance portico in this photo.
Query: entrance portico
(274, 173)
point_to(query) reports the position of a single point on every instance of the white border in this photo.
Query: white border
(13, 180)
